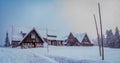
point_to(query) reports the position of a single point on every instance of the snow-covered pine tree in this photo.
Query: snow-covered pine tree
(109, 38)
(116, 38)
(104, 41)
(7, 42)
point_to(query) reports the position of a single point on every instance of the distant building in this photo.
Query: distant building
(78, 40)
(31, 39)
(35, 38)
(54, 40)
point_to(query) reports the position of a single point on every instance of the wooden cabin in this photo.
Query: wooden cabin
(54, 41)
(78, 40)
(86, 41)
(72, 41)
(30, 40)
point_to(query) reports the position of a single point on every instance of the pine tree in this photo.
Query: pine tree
(116, 38)
(7, 42)
(104, 41)
(109, 38)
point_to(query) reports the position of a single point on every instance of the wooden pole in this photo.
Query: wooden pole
(47, 40)
(98, 38)
(12, 36)
(101, 31)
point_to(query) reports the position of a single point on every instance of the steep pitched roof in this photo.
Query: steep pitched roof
(78, 36)
(31, 31)
(18, 36)
(71, 35)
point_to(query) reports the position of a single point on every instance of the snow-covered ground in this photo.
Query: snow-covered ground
(61, 54)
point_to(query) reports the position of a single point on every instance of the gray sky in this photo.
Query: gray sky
(63, 16)
(79, 14)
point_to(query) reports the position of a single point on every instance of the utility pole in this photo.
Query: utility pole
(101, 31)
(12, 35)
(47, 40)
(98, 38)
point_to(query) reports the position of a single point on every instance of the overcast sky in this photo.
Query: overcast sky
(62, 16)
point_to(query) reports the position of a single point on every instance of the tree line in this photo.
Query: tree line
(111, 39)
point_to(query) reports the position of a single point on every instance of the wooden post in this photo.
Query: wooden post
(12, 36)
(47, 40)
(101, 31)
(98, 38)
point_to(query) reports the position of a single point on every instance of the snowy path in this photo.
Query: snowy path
(58, 55)
(68, 60)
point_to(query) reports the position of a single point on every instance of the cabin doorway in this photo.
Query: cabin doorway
(33, 45)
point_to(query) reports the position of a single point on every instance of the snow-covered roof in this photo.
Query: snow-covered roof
(30, 31)
(55, 38)
(17, 36)
(79, 36)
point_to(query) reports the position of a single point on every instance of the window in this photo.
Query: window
(32, 36)
(86, 42)
(86, 39)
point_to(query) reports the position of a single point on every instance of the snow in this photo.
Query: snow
(58, 54)
(16, 33)
(55, 38)
(22, 56)
(17, 36)
(79, 36)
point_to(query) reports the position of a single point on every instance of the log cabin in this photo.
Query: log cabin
(31, 39)
(78, 40)
(54, 40)
(72, 41)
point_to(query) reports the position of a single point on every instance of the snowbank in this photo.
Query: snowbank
(60, 54)
(20, 56)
